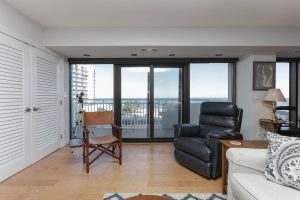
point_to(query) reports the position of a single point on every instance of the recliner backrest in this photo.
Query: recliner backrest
(219, 116)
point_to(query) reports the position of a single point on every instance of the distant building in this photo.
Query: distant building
(83, 80)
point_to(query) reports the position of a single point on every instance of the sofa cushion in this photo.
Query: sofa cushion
(283, 162)
(253, 187)
(194, 146)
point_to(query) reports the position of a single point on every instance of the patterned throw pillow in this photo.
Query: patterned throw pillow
(283, 160)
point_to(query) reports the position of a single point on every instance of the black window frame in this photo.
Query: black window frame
(184, 62)
(293, 88)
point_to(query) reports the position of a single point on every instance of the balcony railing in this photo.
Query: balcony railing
(134, 111)
(135, 114)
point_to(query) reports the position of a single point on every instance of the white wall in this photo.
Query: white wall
(66, 103)
(17, 25)
(64, 98)
(251, 101)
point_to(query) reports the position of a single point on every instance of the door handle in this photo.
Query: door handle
(35, 108)
(27, 109)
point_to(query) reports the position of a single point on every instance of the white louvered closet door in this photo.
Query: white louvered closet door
(14, 98)
(46, 137)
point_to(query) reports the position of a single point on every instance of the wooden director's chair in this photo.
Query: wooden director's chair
(106, 144)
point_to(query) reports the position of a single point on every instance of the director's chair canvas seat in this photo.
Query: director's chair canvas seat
(102, 140)
(106, 144)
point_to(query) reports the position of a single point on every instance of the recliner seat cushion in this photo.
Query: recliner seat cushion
(197, 165)
(194, 146)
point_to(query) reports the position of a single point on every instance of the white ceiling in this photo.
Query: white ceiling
(163, 52)
(59, 15)
(161, 13)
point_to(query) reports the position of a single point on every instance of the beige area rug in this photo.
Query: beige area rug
(172, 196)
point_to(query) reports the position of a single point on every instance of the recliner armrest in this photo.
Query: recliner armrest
(233, 133)
(186, 130)
(224, 135)
(212, 141)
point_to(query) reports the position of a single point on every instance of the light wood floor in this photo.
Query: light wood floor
(145, 168)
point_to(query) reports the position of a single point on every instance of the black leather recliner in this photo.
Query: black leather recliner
(197, 147)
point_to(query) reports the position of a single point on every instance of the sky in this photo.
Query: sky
(135, 82)
(104, 81)
(282, 78)
(207, 80)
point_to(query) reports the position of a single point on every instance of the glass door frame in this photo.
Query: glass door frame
(118, 103)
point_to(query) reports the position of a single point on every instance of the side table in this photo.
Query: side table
(226, 144)
(273, 126)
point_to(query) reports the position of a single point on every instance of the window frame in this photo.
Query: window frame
(185, 62)
(293, 88)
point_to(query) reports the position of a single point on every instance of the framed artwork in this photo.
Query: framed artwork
(264, 75)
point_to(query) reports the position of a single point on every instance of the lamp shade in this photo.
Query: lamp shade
(274, 95)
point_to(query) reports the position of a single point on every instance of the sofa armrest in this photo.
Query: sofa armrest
(186, 130)
(246, 159)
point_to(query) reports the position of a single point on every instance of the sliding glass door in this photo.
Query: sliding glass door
(135, 102)
(150, 101)
(167, 100)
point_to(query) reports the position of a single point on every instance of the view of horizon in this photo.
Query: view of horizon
(202, 74)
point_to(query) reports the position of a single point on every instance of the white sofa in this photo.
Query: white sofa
(246, 180)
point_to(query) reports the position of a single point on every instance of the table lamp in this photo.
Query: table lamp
(274, 95)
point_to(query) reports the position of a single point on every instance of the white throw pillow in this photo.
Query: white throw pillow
(283, 160)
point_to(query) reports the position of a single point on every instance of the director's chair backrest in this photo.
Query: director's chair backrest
(98, 118)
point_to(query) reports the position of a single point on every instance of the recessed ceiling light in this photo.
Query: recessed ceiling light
(172, 54)
(133, 54)
(219, 54)
(86, 55)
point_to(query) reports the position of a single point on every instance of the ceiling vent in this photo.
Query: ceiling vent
(149, 49)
